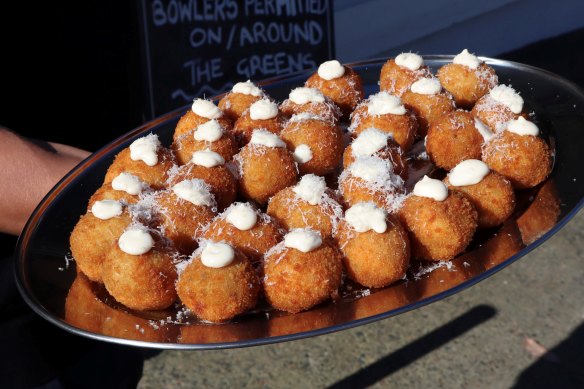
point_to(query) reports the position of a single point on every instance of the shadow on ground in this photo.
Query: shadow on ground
(560, 367)
(417, 349)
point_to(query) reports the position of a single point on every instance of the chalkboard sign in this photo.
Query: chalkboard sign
(195, 48)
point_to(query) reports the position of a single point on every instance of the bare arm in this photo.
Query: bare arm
(27, 172)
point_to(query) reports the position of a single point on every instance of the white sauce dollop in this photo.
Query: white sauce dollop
(106, 209)
(508, 96)
(410, 61)
(210, 131)
(247, 88)
(426, 86)
(383, 103)
(302, 153)
(469, 172)
(431, 188)
(369, 142)
(136, 241)
(206, 109)
(311, 189)
(129, 183)
(217, 255)
(366, 216)
(522, 127)
(207, 158)
(194, 191)
(303, 239)
(371, 169)
(467, 59)
(242, 216)
(145, 149)
(263, 109)
(304, 95)
(266, 138)
(330, 70)
(483, 130)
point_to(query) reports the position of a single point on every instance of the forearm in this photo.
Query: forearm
(27, 173)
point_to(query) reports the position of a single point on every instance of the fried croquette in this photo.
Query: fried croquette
(310, 101)
(246, 229)
(525, 160)
(239, 99)
(264, 171)
(493, 198)
(191, 120)
(217, 294)
(317, 144)
(396, 79)
(371, 179)
(295, 281)
(183, 221)
(222, 142)
(249, 121)
(467, 79)
(501, 105)
(106, 192)
(453, 139)
(309, 204)
(346, 90)
(92, 239)
(142, 282)
(428, 108)
(155, 176)
(376, 143)
(402, 127)
(375, 259)
(222, 183)
(438, 230)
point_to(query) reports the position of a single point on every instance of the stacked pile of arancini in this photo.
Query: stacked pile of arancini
(255, 200)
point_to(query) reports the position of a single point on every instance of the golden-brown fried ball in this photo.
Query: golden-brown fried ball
(317, 144)
(255, 118)
(106, 192)
(206, 111)
(375, 259)
(219, 178)
(492, 197)
(371, 179)
(525, 160)
(428, 108)
(397, 79)
(467, 84)
(183, 221)
(402, 127)
(197, 140)
(264, 171)
(493, 112)
(295, 281)
(142, 282)
(155, 176)
(246, 229)
(92, 239)
(309, 204)
(240, 98)
(217, 294)
(376, 143)
(310, 101)
(345, 91)
(438, 230)
(453, 139)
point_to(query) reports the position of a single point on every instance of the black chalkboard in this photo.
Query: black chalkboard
(195, 48)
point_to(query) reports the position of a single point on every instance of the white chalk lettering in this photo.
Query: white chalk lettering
(274, 63)
(201, 36)
(203, 71)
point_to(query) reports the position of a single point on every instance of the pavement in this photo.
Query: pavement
(521, 328)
